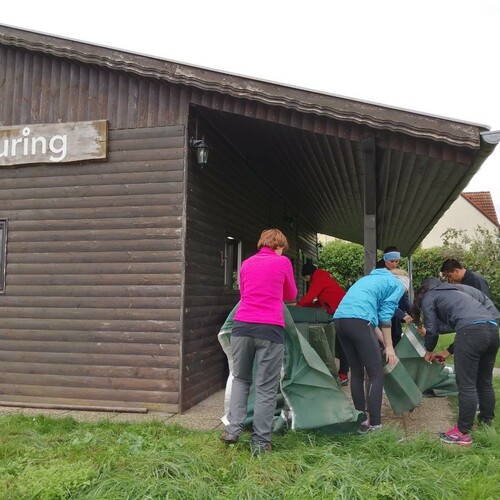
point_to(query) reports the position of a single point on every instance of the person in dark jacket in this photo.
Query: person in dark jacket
(444, 307)
(481, 297)
(474, 293)
(325, 292)
(404, 311)
(454, 272)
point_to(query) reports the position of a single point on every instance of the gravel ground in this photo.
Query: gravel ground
(432, 415)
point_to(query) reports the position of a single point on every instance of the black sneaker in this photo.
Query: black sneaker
(228, 438)
(486, 423)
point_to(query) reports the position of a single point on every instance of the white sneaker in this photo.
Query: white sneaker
(365, 427)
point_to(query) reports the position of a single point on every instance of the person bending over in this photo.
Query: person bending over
(324, 291)
(444, 308)
(368, 304)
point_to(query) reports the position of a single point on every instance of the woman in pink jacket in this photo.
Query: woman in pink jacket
(266, 281)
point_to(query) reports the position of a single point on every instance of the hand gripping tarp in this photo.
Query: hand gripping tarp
(411, 377)
(313, 399)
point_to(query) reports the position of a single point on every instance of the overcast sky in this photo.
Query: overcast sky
(439, 57)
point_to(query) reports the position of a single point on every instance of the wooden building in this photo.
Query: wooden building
(118, 251)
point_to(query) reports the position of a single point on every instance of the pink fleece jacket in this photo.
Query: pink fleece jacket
(266, 281)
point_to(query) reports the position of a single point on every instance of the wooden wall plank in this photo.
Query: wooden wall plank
(94, 370)
(87, 359)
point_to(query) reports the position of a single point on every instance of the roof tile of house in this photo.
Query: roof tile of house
(483, 201)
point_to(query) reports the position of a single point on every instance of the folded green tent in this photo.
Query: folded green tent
(312, 397)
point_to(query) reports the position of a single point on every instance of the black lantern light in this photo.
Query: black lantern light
(202, 149)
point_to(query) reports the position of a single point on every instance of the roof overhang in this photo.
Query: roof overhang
(314, 157)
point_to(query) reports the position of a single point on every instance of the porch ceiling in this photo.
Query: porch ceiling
(322, 176)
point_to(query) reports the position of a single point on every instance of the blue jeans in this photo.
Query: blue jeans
(476, 347)
(268, 357)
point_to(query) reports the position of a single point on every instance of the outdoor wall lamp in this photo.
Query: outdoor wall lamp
(201, 148)
(319, 248)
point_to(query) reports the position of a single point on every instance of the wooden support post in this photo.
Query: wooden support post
(370, 202)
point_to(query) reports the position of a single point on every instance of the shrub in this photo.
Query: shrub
(426, 263)
(481, 253)
(343, 260)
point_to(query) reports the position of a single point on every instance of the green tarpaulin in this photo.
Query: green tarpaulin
(312, 397)
(412, 377)
(310, 394)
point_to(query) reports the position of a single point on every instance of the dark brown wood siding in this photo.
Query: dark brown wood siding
(92, 309)
(37, 88)
(41, 88)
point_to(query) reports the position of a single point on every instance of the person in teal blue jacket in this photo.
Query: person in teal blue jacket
(369, 304)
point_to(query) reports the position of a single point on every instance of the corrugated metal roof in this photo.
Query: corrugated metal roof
(308, 143)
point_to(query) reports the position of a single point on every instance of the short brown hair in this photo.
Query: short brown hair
(273, 239)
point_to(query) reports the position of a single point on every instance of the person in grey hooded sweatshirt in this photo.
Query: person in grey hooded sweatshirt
(473, 292)
(446, 308)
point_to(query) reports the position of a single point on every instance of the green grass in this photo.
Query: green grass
(446, 339)
(43, 458)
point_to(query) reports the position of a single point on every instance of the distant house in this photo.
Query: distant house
(467, 213)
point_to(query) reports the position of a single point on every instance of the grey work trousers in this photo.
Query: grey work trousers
(268, 357)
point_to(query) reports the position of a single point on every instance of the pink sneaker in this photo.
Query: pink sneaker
(367, 427)
(454, 436)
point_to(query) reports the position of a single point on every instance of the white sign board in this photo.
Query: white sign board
(53, 143)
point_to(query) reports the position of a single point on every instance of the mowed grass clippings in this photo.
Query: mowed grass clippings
(44, 458)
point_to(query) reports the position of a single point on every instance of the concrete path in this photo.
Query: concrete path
(432, 415)
(204, 416)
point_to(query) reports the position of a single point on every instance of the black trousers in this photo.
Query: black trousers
(360, 344)
(475, 350)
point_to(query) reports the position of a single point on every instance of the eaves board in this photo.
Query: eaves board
(376, 116)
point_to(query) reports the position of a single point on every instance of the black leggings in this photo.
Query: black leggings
(362, 349)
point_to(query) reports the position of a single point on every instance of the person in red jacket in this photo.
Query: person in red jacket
(325, 292)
